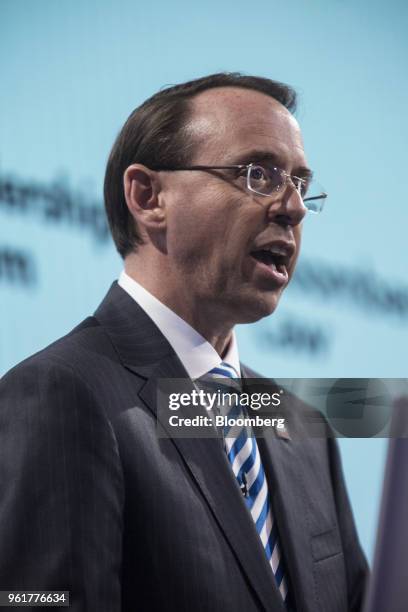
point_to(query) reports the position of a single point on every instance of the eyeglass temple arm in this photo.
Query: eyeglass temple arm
(323, 196)
(178, 168)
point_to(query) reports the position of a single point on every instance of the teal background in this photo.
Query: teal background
(71, 72)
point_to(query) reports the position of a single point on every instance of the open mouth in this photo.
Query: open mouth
(273, 260)
(272, 263)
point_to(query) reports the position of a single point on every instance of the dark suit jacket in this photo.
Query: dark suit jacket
(91, 501)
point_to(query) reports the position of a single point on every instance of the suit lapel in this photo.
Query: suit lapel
(281, 458)
(144, 350)
(209, 466)
(289, 502)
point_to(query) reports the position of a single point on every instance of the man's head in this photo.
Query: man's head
(202, 235)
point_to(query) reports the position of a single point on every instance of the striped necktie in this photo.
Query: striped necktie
(243, 455)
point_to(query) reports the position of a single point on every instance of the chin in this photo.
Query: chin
(257, 308)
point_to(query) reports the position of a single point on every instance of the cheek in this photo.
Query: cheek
(201, 228)
(191, 238)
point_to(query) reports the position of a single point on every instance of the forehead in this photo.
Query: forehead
(231, 121)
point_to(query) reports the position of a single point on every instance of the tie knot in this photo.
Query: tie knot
(223, 376)
(224, 370)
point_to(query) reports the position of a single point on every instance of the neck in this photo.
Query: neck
(202, 316)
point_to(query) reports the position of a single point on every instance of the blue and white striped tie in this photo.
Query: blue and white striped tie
(243, 455)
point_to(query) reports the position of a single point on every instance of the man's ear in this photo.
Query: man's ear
(142, 188)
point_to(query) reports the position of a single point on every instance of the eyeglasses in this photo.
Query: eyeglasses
(266, 180)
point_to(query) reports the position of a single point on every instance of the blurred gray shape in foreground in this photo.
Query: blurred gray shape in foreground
(388, 586)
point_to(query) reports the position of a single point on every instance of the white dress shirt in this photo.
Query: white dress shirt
(195, 352)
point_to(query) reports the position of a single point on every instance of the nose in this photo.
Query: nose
(287, 207)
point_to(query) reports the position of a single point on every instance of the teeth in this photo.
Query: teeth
(276, 251)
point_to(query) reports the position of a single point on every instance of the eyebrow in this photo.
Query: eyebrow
(257, 155)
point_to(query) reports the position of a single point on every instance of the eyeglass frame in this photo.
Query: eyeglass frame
(287, 176)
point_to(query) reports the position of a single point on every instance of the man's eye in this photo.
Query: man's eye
(259, 174)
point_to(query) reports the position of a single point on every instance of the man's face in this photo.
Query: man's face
(216, 228)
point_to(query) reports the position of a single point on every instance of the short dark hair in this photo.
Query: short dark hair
(154, 136)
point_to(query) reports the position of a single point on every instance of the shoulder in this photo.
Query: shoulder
(57, 389)
(50, 400)
(248, 372)
(68, 357)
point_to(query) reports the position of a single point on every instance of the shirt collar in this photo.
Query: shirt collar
(196, 354)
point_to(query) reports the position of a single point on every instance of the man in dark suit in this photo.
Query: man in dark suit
(205, 190)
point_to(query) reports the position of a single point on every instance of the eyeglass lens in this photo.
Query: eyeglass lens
(269, 180)
(266, 180)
